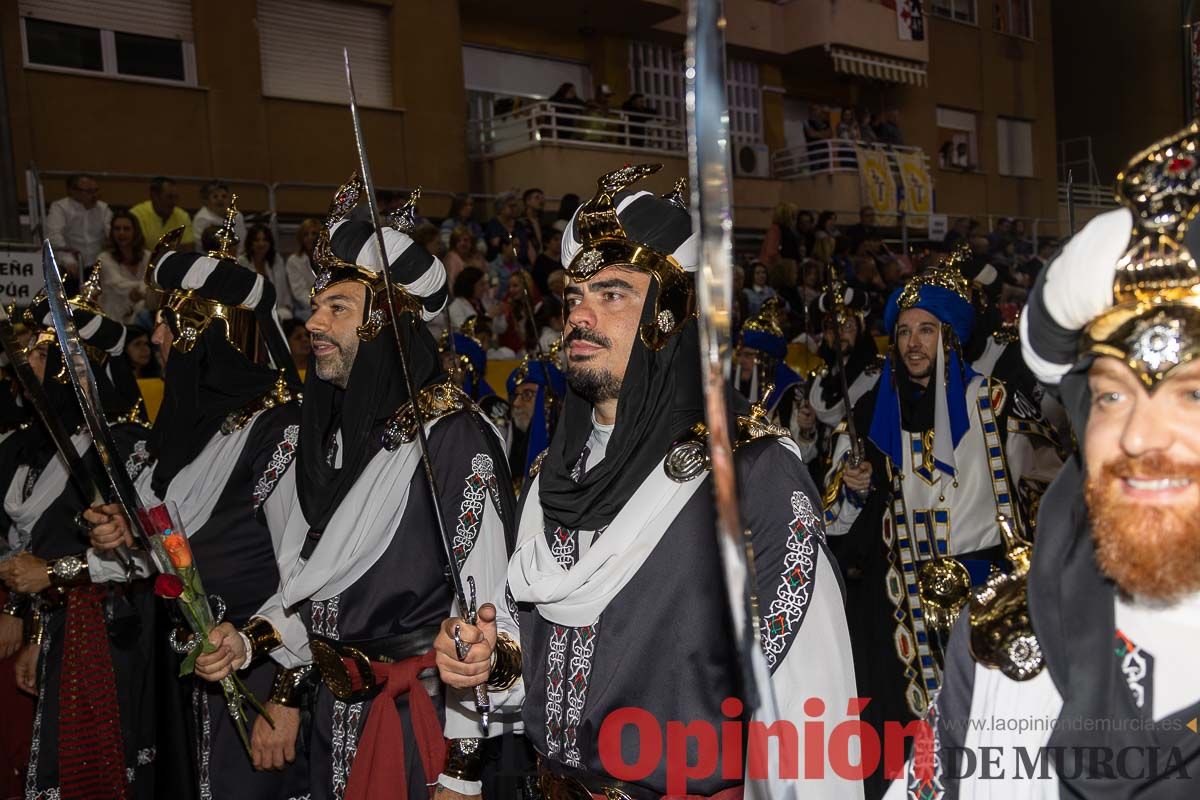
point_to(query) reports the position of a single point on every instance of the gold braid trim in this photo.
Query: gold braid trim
(436, 401)
(506, 663)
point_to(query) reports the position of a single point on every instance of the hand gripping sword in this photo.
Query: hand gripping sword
(709, 170)
(468, 610)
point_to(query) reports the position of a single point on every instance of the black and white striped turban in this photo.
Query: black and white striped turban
(1072, 291)
(649, 220)
(411, 266)
(95, 330)
(222, 280)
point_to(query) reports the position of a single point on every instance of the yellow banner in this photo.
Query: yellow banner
(918, 188)
(877, 184)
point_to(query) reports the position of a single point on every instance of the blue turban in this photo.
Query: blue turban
(952, 309)
(545, 374)
(475, 381)
(775, 346)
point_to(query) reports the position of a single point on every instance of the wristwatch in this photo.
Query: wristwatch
(67, 571)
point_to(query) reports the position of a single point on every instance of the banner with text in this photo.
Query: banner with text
(20, 275)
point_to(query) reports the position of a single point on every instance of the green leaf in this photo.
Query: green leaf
(189, 662)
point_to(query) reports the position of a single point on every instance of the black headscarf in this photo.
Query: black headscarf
(211, 381)
(376, 389)
(661, 397)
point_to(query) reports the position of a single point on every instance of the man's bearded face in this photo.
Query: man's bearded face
(1143, 484)
(917, 336)
(603, 314)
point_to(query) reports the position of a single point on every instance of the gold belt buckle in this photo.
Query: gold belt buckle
(334, 672)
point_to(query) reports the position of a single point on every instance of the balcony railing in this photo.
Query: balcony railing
(826, 157)
(1088, 194)
(551, 123)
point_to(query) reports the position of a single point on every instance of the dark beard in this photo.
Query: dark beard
(1151, 552)
(595, 386)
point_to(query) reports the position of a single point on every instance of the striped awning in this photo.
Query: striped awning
(877, 67)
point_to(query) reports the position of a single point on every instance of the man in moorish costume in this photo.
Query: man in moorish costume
(614, 573)
(947, 451)
(1092, 642)
(224, 436)
(535, 390)
(362, 562)
(90, 661)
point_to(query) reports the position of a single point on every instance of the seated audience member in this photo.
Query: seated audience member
(123, 270)
(262, 257)
(215, 197)
(77, 225)
(298, 343)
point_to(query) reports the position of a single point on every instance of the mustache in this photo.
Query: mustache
(587, 335)
(1149, 467)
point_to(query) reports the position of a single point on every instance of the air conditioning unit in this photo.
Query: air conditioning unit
(751, 160)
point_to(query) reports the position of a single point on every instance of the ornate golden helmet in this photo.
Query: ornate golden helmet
(100, 336)
(1154, 322)
(946, 274)
(598, 238)
(332, 268)
(767, 320)
(200, 290)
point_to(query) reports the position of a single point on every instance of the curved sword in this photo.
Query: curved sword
(482, 702)
(709, 170)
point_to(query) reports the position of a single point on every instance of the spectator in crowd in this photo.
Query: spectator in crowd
(161, 214)
(806, 229)
(825, 236)
(888, 130)
(138, 353)
(866, 131)
(300, 276)
(848, 125)
(209, 243)
(759, 289)
(638, 111)
(503, 226)
(781, 240)
(557, 283)
(77, 225)
(505, 264)
(262, 257)
(531, 223)
(1032, 267)
(462, 210)
(428, 236)
(123, 269)
(463, 252)
(565, 95)
(298, 343)
(958, 232)
(567, 102)
(998, 237)
(784, 277)
(864, 229)
(215, 197)
(1021, 238)
(817, 132)
(566, 209)
(517, 332)
(471, 287)
(597, 128)
(551, 320)
(549, 260)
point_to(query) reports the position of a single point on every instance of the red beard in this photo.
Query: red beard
(1150, 551)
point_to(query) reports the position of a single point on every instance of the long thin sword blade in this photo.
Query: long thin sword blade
(709, 170)
(482, 702)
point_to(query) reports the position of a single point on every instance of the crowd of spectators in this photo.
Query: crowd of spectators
(503, 262)
(799, 253)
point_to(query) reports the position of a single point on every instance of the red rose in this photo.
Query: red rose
(168, 586)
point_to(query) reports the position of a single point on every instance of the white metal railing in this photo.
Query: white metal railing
(1088, 194)
(827, 156)
(552, 123)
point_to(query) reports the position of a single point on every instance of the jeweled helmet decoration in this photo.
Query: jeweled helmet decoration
(346, 250)
(1153, 324)
(637, 230)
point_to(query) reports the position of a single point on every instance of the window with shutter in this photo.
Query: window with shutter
(300, 46)
(149, 41)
